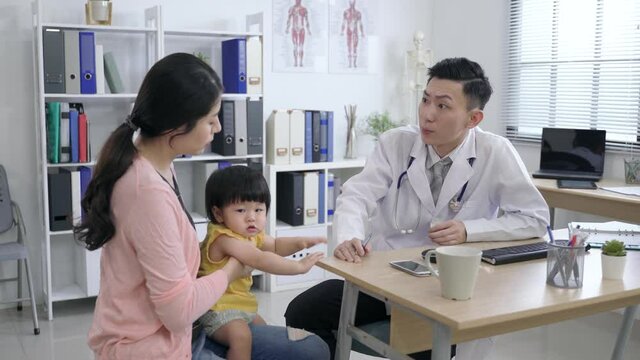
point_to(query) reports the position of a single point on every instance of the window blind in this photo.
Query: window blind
(574, 64)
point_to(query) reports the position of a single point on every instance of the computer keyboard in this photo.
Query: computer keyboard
(511, 254)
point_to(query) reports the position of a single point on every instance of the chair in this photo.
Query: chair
(11, 216)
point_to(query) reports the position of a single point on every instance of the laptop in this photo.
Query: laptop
(573, 154)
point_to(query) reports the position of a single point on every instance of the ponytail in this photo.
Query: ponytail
(116, 156)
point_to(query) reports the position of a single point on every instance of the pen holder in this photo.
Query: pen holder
(565, 265)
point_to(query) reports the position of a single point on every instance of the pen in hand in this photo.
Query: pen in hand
(366, 241)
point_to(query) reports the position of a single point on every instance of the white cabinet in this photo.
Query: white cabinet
(68, 270)
(344, 169)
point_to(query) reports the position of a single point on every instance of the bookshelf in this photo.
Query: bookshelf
(344, 169)
(68, 270)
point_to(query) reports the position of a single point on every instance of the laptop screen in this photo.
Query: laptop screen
(573, 150)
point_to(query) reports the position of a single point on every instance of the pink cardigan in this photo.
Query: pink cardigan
(149, 294)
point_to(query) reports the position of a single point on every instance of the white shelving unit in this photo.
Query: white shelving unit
(346, 169)
(69, 271)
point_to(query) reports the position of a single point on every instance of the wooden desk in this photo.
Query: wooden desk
(506, 298)
(598, 202)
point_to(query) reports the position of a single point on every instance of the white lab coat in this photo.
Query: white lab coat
(500, 202)
(497, 180)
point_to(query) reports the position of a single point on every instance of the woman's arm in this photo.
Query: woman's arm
(267, 261)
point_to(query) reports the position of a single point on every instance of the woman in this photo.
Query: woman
(149, 294)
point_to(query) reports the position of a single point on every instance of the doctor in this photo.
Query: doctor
(444, 183)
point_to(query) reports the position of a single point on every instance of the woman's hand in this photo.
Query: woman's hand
(352, 250)
(235, 269)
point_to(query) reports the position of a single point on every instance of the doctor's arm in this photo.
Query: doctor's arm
(359, 200)
(525, 213)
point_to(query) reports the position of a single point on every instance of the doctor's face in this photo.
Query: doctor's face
(444, 117)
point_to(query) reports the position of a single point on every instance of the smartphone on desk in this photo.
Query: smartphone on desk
(411, 267)
(576, 184)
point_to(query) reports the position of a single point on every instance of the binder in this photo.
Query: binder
(308, 136)
(76, 197)
(310, 198)
(330, 136)
(323, 136)
(278, 138)
(255, 124)
(112, 75)
(240, 123)
(99, 69)
(72, 61)
(290, 197)
(254, 65)
(65, 134)
(201, 173)
(87, 62)
(52, 111)
(224, 142)
(234, 66)
(331, 205)
(296, 136)
(315, 137)
(53, 56)
(321, 197)
(83, 138)
(85, 178)
(60, 212)
(74, 138)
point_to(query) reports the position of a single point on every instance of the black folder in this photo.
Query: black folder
(60, 210)
(53, 55)
(290, 197)
(315, 137)
(254, 126)
(224, 142)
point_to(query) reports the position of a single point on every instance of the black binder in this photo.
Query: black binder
(53, 55)
(315, 137)
(290, 197)
(254, 126)
(224, 142)
(60, 210)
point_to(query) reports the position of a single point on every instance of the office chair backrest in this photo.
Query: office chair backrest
(6, 213)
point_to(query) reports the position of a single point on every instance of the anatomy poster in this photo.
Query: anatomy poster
(300, 35)
(353, 38)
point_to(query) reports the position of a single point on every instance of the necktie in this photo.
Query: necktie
(440, 170)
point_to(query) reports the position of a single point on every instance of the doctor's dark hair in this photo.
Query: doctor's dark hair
(175, 93)
(234, 184)
(475, 84)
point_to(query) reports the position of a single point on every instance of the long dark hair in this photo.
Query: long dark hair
(177, 91)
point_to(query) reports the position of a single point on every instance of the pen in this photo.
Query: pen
(366, 241)
(550, 234)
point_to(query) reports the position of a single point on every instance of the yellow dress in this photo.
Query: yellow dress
(238, 295)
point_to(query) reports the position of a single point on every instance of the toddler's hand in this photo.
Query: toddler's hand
(308, 261)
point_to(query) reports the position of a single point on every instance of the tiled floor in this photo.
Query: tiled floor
(590, 338)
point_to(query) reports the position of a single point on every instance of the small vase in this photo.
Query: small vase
(613, 267)
(351, 144)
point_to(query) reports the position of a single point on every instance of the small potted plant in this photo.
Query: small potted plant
(614, 257)
(377, 123)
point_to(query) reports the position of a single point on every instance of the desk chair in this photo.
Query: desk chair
(11, 216)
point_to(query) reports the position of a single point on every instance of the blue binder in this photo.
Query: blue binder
(234, 66)
(75, 139)
(330, 136)
(87, 62)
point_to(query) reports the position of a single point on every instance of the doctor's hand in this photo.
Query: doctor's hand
(450, 232)
(351, 250)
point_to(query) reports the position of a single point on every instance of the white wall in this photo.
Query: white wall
(375, 92)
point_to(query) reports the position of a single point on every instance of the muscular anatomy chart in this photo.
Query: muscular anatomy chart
(352, 34)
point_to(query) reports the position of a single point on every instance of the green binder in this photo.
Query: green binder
(52, 110)
(112, 75)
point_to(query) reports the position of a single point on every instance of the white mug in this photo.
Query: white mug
(457, 270)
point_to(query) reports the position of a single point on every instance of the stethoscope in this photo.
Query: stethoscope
(455, 204)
